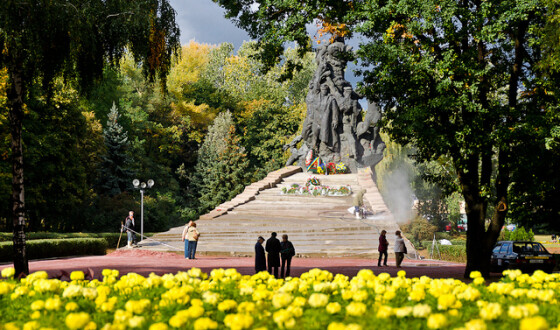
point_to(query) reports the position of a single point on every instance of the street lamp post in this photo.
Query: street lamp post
(142, 186)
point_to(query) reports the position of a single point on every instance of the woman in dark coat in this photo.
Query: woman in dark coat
(260, 258)
(273, 248)
(287, 253)
(383, 245)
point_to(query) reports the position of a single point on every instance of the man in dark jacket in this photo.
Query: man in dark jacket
(273, 249)
(286, 253)
(260, 258)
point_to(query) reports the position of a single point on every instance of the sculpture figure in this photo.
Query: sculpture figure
(333, 128)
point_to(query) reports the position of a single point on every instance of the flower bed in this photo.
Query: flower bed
(316, 300)
(313, 187)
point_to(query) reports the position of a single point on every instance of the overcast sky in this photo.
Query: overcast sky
(203, 21)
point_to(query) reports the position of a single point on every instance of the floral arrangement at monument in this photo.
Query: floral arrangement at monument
(225, 299)
(313, 187)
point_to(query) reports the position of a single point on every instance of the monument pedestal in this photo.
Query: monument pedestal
(317, 226)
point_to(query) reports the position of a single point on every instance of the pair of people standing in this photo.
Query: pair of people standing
(275, 250)
(190, 237)
(400, 248)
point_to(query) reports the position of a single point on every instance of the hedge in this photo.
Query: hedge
(111, 238)
(50, 248)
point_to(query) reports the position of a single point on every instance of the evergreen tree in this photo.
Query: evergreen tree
(114, 173)
(222, 164)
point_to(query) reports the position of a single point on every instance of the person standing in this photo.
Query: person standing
(184, 238)
(131, 217)
(287, 252)
(260, 257)
(383, 246)
(400, 248)
(192, 237)
(273, 249)
(128, 225)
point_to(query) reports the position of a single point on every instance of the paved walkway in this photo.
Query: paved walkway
(145, 262)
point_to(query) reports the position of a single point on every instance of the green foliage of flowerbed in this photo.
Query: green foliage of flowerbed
(225, 299)
(50, 248)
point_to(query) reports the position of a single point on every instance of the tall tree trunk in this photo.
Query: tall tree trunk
(15, 96)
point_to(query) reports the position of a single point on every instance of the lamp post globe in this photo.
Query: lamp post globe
(142, 186)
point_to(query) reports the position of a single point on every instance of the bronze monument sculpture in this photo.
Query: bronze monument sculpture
(335, 129)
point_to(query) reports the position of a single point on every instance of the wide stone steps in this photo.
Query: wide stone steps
(317, 226)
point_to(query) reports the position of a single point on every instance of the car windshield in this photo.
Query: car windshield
(528, 247)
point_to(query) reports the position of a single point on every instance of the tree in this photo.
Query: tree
(114, 172)
(221, 169)
(42, 40)
(457, 78)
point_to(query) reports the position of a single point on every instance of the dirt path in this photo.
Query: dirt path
(145, 262)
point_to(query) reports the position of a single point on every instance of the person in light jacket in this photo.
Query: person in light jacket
(400, 248)
(383, 246)
(192, 236)
(184, 238)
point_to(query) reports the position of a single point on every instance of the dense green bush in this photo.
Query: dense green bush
(457, 253)
(519, 234)
(51, 248)
(419, 230)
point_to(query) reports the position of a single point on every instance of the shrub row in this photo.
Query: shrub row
(457, 253)
(111, 238)
(50, 248)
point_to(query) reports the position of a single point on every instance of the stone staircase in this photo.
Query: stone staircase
(317, 226)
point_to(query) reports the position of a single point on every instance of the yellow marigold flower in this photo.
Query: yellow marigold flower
(211, 297)
(299, 301)
(6, 288)
(137, 306)
(281, 300)
(73, 291)
(246, 307)
(491, 311)
(71, 307)
(89, 293)
(195, 311)
(195, 272)
(333, 308)
(479, 281)
(421, 310)
(317, 300)
(347, 294)
(522, 311)
(90, 326)
(437, 321)
(136, 321)
(10, 326)
(366, 274)
(360, 295)
(77, 275)
(384, 312)
(389, 295)
(446, 301)
(403, 311)
(205, 323)
(8, 272)
(401, 273)
(476, 324)
(283, 319)
(356, 309)
(534, 323)
(238, 321)
(35, 315)
(159, 326)
(417, 295)
(77, 320)
(37, 305)
(475, 274)
(453, 312)
(227, 305)
(178, 321)
(31, 325)
(122, 316)
(342, 326)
